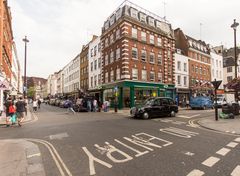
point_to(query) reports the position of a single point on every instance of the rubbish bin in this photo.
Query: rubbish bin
(227, 109)
(235, 108)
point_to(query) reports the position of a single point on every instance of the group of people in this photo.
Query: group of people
(15, 109)
(36, 104)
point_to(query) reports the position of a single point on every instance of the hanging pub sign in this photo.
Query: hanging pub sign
(4, 85)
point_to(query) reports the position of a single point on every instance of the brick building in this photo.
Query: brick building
(199, 62)
(137, 56)
(84, 68)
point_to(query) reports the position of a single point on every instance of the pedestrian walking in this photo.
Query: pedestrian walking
(95, 105)
(70, 106)
(12, 111)
(39, 103)
(20, 109)
(7, 104)
(89, 105)
(35, 105)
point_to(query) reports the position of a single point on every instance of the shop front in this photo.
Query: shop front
(130, 93)
(183, 96)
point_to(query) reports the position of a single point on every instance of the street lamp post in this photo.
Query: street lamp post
(234, 26)
(25, 40)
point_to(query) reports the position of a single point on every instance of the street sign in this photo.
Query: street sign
(216, 84)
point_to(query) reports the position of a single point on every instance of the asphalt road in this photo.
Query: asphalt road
(106, 144)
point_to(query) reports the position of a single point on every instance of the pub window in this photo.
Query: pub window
(134, 53)
(135, 74)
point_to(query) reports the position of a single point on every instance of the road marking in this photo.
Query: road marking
(210, 161)
(189, 153)
(223, 151)
(188, 117)
(36, 154)
(196, 172)
(232, 144)
(91, 161)
(237, 140)
(178, 132)
(56, 157)
(135, 150)
(236, 171)
(58, 136)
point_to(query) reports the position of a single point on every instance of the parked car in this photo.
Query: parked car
(201, 102)
(221, 101)
(154, 107)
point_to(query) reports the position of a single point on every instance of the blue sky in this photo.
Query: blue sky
(57, 29)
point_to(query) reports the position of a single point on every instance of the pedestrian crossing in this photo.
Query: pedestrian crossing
(213, 160)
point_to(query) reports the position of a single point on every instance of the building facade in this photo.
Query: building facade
(94, 68)
(217, 67)
(199, 62)
(72, 77)
(137, 56)
(52, 84)
(84, 76)
(182, 77)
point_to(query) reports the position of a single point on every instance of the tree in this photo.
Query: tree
(31, 92)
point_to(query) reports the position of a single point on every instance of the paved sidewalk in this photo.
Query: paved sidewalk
(224, 125)
(20, 157)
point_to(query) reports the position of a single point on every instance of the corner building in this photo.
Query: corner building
(137, 56)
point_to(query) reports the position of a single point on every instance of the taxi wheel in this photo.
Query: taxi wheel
(145, 115)
(172, 114)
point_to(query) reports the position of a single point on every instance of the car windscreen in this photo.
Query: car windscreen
(148, 102)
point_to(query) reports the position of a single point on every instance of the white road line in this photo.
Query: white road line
(237, 140)
(232, 144)
(236, 171)
(223, 151)
(196, 172)
(210, 161)
(36, 154)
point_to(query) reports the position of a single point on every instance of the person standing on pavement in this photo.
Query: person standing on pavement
(95, 105)
(35, 105)
(39, 103)
(20, 109)
(8, 115)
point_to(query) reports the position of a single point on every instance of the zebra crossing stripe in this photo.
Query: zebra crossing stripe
(223, 151)
(236, 171)
(196, 172)
(232, 144)
(210, 161)
(237, 140)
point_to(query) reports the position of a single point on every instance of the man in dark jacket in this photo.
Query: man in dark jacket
(20, 109)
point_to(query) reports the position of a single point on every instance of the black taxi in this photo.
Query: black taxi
(155, 107)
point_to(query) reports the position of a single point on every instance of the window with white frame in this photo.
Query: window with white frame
(134, 74)
(185, 81)
(106, 59)
(229, 69)
(152, 58)
(169, 54)
(151, 39)
(95, 80)
(159, 41)
(118, 34)
(220, 64)
(91, 81)
(216, 63)
(179, 65)
(200, 70)
(143, 55)
(95, 50)
(92, 52)
(229, 78)
(152, 76)
(91, 66)
(106, 42)
(134, 53)
(106, 77)
(118, 54)
(143, 36)
(111, 38)
(112, 76)
(99, 79)
(179, 80)
(111, 57)
(134, 33)
(99, 63)
(185, 67)
(159, 58)
(95, 65)
(217, 73)
(159, 77)
(144, 75)
(118, 75)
